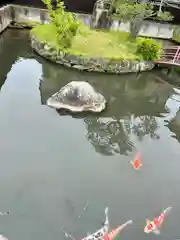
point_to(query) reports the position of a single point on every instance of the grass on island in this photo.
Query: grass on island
(92, 43)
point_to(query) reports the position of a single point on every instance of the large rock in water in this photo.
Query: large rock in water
(77, 97)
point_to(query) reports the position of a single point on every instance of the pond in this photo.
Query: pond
(51, 163)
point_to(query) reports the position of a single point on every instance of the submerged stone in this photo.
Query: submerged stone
(77, 97)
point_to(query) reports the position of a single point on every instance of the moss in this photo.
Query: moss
(91, 43)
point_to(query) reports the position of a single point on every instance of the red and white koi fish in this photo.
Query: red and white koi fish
(115, 232)
(155, 224)
(3, 238)
(136, 163)
(99, 234)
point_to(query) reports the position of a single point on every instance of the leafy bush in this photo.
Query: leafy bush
(130, 11)
(164, 16)
(66, 25)
(133, 12)
(148, 48)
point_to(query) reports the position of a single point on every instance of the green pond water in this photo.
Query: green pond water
(50, 164)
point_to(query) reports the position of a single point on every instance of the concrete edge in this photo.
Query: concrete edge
(20, 6)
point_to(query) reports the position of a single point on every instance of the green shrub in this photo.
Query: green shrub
(164, 16)
(66, 25)
(148, 48)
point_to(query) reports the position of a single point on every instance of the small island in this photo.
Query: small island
(68, 41)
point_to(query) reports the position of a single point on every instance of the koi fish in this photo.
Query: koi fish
(102, 231)
(5, 213)
(98, 235)
(115, 232)
(155, 224)
(2, 237)
(136, 163)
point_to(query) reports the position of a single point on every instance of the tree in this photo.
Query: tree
(135, 13)
(64, 22)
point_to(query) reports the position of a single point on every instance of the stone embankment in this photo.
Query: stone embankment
(90, 64)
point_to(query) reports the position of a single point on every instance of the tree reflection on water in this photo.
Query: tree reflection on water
(135, 111)
(146, 126)
(108, 138)
(113, 136)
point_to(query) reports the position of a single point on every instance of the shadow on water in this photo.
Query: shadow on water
(51, 162)
(10, 50)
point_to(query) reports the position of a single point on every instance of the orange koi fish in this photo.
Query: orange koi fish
(115, 232)
(136, 163)
(155, 224)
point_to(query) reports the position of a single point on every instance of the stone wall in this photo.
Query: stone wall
(150, 29)
(157, 30)
(20, 14)
(90, 64)
(5, 17)
(23, 14)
